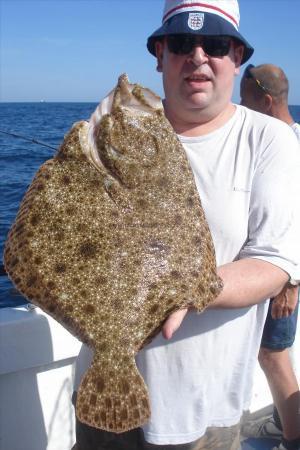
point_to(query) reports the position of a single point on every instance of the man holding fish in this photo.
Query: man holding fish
(246, 167)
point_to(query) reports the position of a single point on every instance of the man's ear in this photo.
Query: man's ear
(159, 49)
(268, 102)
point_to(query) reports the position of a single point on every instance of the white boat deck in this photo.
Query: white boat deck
(37, 358)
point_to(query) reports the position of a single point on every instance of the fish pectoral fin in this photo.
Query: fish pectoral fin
(114, 399)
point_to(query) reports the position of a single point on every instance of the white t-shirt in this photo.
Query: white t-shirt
(247, 176)
(296, 128)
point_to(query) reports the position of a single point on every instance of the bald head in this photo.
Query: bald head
(265, 88)
(273, 79)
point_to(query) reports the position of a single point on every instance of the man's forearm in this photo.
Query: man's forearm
(246, 282)
(249, 281)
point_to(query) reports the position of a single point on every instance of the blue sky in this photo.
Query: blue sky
(74, 50)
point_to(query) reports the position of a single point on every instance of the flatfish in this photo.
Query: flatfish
(110, 239)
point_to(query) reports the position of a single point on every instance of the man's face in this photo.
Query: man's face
(197, 81)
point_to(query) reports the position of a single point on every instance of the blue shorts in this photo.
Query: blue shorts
(279, 334)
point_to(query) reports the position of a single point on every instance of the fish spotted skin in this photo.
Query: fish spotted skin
(110, 239)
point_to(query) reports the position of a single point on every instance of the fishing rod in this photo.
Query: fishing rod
(32, 140)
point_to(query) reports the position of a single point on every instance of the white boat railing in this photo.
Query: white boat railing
(37, 357)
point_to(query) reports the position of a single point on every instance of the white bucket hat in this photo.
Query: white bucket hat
(207, 17)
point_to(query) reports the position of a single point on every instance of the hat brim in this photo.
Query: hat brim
(213, 25)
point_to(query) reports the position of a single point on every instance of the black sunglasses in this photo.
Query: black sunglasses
(183, 44)
(250, 75)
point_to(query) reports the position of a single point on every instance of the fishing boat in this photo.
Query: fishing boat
(37, 358)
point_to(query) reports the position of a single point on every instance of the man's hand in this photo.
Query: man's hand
(284, 304)
(173, 322)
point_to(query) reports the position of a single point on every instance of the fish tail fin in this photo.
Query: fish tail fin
(114, 399)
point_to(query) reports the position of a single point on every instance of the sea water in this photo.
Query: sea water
(20, 159)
